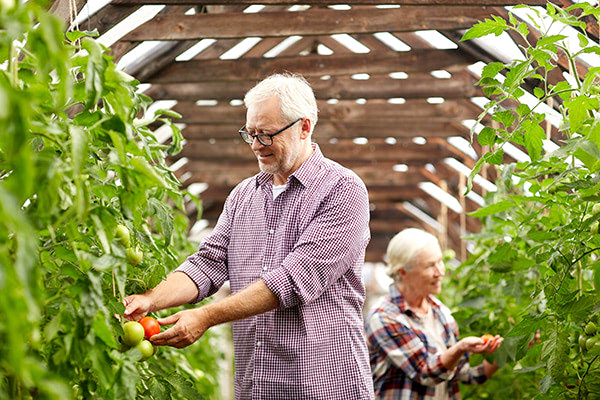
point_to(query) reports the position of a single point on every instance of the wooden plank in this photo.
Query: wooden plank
(257, 68)
(307, 23)
(343, 111)
(349, 2)
(108, 16)
(327, 130)
(377, 87)
(232, 174)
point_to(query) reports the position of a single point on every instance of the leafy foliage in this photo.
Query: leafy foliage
(77, 158)
(535, 267)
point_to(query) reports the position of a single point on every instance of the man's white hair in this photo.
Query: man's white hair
(296, 97)
(404, 247)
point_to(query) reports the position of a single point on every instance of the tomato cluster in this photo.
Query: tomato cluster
(137, 333)
(134, 255)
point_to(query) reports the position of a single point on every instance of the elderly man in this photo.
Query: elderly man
(413, 339)
(291, 241)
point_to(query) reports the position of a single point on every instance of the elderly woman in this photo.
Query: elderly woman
(413, 339)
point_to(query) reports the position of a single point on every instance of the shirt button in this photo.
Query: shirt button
(265, 268)
(271, 231)
(258, 344)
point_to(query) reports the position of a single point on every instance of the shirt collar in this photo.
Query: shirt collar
(305, 174)
(399, 300)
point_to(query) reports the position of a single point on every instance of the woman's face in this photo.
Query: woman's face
(425, 276)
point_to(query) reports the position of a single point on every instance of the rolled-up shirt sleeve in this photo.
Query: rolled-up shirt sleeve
(403, 348)
(472, 375)
(330, 245)
(208, 266)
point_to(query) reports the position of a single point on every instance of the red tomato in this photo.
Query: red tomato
(151, 326)
(486, 338)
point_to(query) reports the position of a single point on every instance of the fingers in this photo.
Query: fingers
(170, 320)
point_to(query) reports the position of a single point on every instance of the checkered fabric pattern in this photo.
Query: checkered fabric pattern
(308, 246)
(405, 363)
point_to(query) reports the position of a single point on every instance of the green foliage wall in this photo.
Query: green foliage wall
(76, 159)
(536, 263)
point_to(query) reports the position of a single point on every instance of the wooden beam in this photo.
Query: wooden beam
(349, 2)
(343, 111)
(313, 65)
(307, 23)
(403, 152)
(67, 10)
(377, 87)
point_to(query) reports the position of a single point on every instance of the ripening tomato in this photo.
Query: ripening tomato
(486, 338)
(151, 326)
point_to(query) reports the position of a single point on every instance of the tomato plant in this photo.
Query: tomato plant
(536, 267)
(78, 159)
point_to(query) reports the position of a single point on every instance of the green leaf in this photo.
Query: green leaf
(533, 136)
(538, 92)
(487, 137)
(559, 354)
(492, 69)
(184, 387)
(493, 26)
(140, 164)
(492, 209)
(526, 327)
(75, 35)
(494, 158)
(103, 331)
(165, 218)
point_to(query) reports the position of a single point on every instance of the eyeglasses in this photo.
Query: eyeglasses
(266, 139)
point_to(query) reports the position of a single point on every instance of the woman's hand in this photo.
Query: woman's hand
(477, 345)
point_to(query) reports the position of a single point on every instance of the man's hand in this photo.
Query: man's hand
(136, 306)
(188, 326)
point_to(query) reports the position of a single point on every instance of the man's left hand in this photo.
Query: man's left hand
(188, 326)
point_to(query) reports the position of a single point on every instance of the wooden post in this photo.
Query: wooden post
(443, 218)
(462, 186)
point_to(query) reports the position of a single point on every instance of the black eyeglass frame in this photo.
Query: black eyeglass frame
(249, 137)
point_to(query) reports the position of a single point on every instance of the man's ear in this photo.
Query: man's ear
(305, 128)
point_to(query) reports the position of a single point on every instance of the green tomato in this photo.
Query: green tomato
(590, 343)
(596, 208)
(134, 257)
(133, 333)
(590, 329)
(594, 227)
(146, 348)
(122, 235)
(581, 341)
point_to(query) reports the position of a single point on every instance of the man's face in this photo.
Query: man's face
(281, 157)
(425, 276)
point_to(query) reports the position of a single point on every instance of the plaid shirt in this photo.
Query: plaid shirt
(308, 246)
(405, 363)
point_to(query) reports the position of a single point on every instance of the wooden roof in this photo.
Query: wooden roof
(386, 113)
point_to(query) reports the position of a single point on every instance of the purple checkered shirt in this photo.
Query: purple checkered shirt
(406, 364)
(308, 246)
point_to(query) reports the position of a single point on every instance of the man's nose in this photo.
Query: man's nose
(256, 144)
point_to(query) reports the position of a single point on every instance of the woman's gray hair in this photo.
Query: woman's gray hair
(296, 97)
(404, 247)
